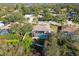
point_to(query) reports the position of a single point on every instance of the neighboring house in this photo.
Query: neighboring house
(64, 9)
(4, 16)
(69, 22)
(40, 17)
(68, 28)
(69, 33)
(71, 28)
(41, 31)
(71, 15)
(51, 10)
(54, 23)
(2, 24)
(4, 31)
(29, 17)
(16, 11)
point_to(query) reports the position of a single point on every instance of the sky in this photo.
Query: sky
(39, 1)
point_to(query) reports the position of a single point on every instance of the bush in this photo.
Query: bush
(10, 36)
(26, 44)
(68, 43)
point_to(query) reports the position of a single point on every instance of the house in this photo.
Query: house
(64, 9)
(2, 29)
(41, 31)
(4, 32)
(40, 17)
(69, 22)
(72, 28)
(2, 24)
(40, 34)
(29, 17)
(16, 11)
(71, 15)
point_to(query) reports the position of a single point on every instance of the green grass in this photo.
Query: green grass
(12, 40)
(54, 28)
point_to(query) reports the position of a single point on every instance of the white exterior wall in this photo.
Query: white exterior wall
(31, 18)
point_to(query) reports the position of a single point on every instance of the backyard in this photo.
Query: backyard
(39, 29)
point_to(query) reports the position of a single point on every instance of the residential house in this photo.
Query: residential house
(41, 31)
(29, 17)
(72, 28)
(40, 34)
(2, 24)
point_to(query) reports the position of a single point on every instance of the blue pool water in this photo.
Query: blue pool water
(42, 36)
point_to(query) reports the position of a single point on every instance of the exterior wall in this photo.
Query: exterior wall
(40, 35)
(29, 17)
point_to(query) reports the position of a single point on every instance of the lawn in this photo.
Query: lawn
(54, 28)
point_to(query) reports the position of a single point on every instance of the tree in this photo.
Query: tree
(25, 9)
(57, 8)
(26, 28)
(53, 48)
(36, 9)
(60, 19)
(14, 17)
(75, 19)
(47, 17)
(22, 28)
(26, 43)
(10, 36)
(69, 43)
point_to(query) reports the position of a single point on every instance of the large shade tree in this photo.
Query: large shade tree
(14, 17)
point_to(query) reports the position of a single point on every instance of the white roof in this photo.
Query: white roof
(28, 15)
(40, 16)
(1, 24)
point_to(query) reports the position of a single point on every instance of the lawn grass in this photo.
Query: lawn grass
(53, 28)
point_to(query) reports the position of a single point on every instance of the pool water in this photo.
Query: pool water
(42, 36)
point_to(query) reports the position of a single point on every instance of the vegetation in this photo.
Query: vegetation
(27, 42)
(21, 29)
(18, 41)
(68, 41)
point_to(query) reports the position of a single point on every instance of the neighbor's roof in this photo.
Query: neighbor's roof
(29, 15)
(1, 24)
(70, 28)
(42, 27)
